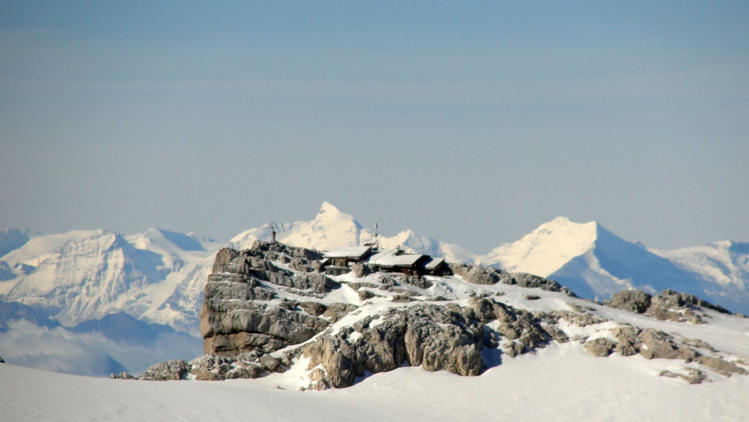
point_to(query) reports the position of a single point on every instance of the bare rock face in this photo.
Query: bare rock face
(414, 280)
(600, 347)
(651, 344)
(627, 342)
(171, 370)
(361, 270)
(476, 274)
(215, 368)
(721, 366)
(630, 300)
(435, 337)
(692, 376)
(237, 315)
(487, 275)
(669, 305)
(530, 281)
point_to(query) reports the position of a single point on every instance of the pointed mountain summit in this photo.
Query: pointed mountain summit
(332, 228)
(592, 261)
(329, 229)
(546, 249)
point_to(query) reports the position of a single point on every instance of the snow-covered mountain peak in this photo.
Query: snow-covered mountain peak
(327, 207)
(167, 240)
(547, 248)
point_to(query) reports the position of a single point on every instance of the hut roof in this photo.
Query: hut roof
(350, 252)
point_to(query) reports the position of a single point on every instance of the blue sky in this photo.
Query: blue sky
(472, 122)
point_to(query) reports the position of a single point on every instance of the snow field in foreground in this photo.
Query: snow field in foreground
(560, 382)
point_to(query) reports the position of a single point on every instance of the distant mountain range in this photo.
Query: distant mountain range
(157, 276)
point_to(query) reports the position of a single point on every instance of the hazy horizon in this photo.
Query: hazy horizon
(472, 123)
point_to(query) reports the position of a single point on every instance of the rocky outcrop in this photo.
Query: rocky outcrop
(692, 375)
(361, 270)
(630, 300)
(669, 305)
(600, 347)
(651, 344)
(487, 275)
(265, 305)
(436, 337)
(171, 370)
(721, 366)
(239, 313)
(476, 274)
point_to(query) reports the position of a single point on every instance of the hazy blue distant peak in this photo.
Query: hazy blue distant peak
(11, 239)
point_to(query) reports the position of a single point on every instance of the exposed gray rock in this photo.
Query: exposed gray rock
(600, 347)
(336, 311)
(318, 381)
(365, 294)
(630, 300)
(654, 344)
(669, 305)
(361, 269)
(216, 368)
(721, 366)
(166, 371)
(313, 308)
(476, 274)
(271, 363)
(580, 318)
(627, 342)
(515, 324)
(234, 318)
(533, 281)
(435, 337)
(679, 300)
(488, 275)
(316, 282)
(124, 375)
(692, 376)
(695, 342)
(414, 280)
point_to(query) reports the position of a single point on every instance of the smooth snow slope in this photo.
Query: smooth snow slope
(560, 383)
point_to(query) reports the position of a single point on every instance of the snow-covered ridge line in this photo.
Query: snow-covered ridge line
(158, 275)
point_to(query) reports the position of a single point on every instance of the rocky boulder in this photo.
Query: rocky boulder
(630, 300)
(435, 337)
(600, 347)
(669, 305)
(167, 371)
(236, 315)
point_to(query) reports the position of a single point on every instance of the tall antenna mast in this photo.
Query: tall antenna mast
(272, 230)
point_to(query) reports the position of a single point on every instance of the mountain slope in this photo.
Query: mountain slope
(82, 275)
(11, 239)
(595, 263)
(724, 265)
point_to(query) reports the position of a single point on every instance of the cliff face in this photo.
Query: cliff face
(270, 307)
(246, 306)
